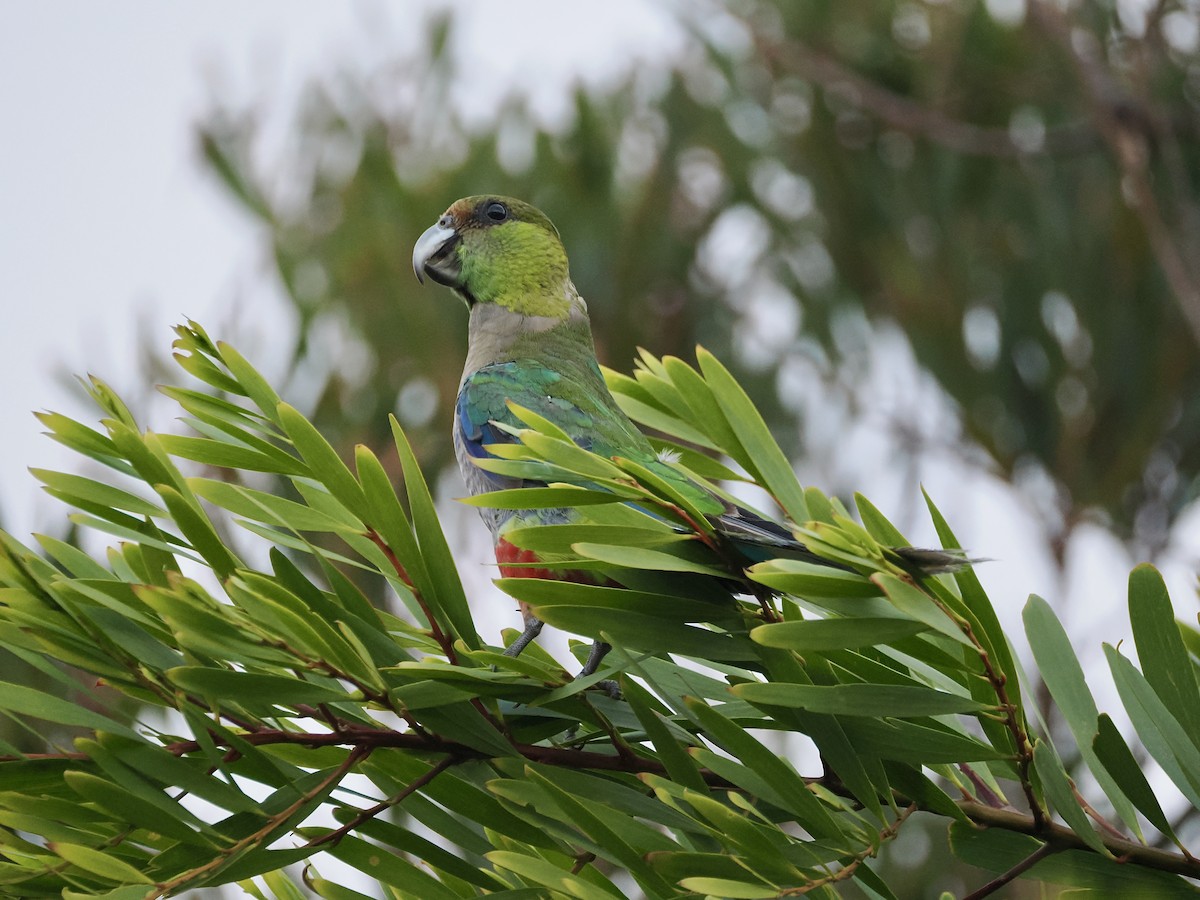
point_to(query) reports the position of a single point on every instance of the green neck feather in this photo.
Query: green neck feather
(518, 266)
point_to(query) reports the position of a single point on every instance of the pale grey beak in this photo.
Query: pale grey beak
(434, 255)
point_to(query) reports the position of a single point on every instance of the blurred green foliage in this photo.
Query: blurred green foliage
(955, 168)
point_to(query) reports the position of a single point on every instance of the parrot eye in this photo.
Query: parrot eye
(497, 212)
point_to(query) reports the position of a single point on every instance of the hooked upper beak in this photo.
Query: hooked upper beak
(434, 255)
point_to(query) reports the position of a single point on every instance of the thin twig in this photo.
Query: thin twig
(412, 787)
(1104, 824)
(851, 865)
(444, 640)
(163, 888)
(1012, 719)
(1019, 869)
(986, 794)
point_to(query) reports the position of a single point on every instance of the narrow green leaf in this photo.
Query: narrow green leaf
(147, 457)
(1063, 676)
(752, 431)
(671, 750)
(252, 383)
(391, 523)
(560, 538)
(646, 632)
(812, 581)
(587, 821)
(1060, 793)
(834, 634)
(567, 454)
(135, 810)
(203, 369)
(1161, 651)
(682, 390)
(902, 701)
(434, 549)
(617, 600)
(725, 887)
(260, 506)
(83, 440)
(914, 602)
(810, 813)
(72, 558)
(645, 558)
(542, 498)
(254, 689)
(103, 864)
(199, 531)
(211, 452)
(322, 459)
(280, 610)
(1156, 725)
(158, 764)
(96, 492)
(389, 868)
(696, 503)
(651, 416)
(543, 872)
(27, 701)
(877, 524)
(462, 722)
(914, 743)
(976, 600)
(1121, 765)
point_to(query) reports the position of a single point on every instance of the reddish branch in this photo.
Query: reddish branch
(1015, 872)
(363, 740)
(443, 639)
(371, 812)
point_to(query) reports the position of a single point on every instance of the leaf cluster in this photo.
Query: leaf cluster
(285, 719)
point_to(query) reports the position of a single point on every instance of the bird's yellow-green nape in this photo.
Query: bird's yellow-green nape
(499, 250)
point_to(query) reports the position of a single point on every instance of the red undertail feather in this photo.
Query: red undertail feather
(517, 563)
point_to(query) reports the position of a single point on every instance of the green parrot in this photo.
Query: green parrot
(530, 343)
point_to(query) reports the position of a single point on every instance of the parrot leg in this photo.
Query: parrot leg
(533, 627)
(598, 652)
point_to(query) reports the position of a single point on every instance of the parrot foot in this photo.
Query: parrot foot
(598, 652)
(533, 627)
(611, 688)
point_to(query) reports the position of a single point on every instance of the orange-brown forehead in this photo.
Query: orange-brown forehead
(460, 211)
(465, 212)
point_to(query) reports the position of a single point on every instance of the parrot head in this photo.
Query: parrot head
(498, 250)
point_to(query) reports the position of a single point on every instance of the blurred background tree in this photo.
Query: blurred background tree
(1005, 191)
(911, 228)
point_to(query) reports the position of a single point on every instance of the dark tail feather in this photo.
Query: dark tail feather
(936, 562)
(760, 539)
